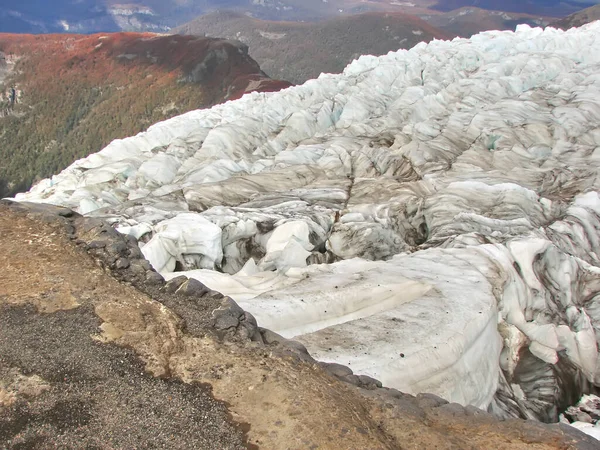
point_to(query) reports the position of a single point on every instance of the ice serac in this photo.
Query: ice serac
(429, 217)
(585, 415)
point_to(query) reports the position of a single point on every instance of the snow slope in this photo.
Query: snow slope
(429, 217)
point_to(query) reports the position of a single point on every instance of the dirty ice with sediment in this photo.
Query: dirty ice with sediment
(430, 217)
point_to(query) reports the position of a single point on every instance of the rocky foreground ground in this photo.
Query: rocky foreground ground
(97, 351)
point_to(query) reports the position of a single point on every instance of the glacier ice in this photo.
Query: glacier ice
(429, 217)
(585, 415)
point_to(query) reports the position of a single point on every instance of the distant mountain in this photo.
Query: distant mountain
(88, 16)
(579, 18)
(40, 16)
(468, 21)
(63, 97)
(300, 51)
(554, 8)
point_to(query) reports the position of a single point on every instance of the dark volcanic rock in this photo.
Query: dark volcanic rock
(193, 288)
(172, 285)
(337, 370)
(122, 263)
(154, 279)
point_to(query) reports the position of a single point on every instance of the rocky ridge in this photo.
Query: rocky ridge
(182, 331)
(579, 18)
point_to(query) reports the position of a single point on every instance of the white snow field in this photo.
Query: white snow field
(430, 218)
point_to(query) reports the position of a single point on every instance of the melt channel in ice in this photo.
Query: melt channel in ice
(429, 217)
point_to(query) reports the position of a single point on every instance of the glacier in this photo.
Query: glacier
(429, 217)
(585, 416)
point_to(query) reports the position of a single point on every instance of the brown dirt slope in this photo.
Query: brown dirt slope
(299, 51)
(89, 360)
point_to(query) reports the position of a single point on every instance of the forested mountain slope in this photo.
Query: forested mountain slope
(63, 97)
(299, 51)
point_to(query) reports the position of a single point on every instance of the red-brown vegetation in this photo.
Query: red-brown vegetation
(79, 92)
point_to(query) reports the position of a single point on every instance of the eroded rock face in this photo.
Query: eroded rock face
(427, 218)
